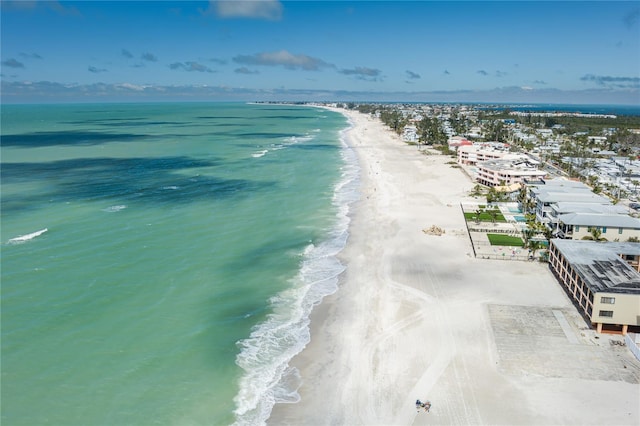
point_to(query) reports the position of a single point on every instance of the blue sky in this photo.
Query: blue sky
(478, 51)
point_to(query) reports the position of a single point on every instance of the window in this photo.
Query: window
(619, 230)
(604, 229)
(576, 228)
(605, 314)
(609, 300)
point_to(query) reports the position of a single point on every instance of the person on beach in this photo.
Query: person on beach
(426, 405)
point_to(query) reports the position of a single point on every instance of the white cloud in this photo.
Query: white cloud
(283, 58)
(249, 9)
(129, 86)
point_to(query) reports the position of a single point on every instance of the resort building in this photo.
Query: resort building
(508, 171)
(603, 281)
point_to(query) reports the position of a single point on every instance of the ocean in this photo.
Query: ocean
(160, 261)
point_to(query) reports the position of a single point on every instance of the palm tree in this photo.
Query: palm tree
(595, 185)
(495, 196)
(394, 119)
(596, 234)
(534, 246)
(476, 191)
(494, 215)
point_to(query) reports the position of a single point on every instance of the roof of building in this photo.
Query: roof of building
(600, 266)
(595, 219)
(513, 162)
(564, 207)
(560, 185)
(572, 196)
(483, 147)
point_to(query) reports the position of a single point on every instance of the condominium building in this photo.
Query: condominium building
(554, 191)
(471, 155)
(603, 281)
(611, 227)
(508, 170)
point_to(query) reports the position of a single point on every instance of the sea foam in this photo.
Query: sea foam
(113, 209)
(27, 237)
(264, 356)
(286, 142)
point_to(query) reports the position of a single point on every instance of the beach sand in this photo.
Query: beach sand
(417, 316)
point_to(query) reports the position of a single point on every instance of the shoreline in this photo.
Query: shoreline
(416, 316)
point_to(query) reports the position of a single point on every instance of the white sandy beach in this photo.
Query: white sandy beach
(417, 316)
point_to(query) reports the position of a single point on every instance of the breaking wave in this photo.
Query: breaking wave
(264, 356)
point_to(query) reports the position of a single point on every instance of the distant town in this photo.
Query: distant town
(601, 150)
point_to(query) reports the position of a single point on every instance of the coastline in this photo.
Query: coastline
(416, 316)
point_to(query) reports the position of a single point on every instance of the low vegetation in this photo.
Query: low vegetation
(505, 240)
(485, 215)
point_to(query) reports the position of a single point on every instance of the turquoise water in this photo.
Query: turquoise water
(519, 218)
(185, 246)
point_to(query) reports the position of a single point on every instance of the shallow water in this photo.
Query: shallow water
(185, 247)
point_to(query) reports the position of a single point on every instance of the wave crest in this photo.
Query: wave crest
(265, 355)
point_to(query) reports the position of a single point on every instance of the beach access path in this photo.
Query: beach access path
(417, 316)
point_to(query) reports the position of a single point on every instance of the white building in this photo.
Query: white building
(508, 170)
(481, 151)
(612, 227)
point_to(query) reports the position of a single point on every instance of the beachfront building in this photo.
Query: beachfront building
(564, 208)
(602, 280)
(472, 154)
(611, 227)
(508, 170)
(544, 196)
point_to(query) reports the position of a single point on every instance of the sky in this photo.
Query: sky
(268, 50)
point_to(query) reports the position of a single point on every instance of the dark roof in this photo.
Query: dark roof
(600, 266)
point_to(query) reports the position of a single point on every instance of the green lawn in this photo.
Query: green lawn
(485, 216)
(505, 240)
